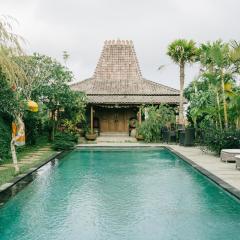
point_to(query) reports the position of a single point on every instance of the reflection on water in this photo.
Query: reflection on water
(119, 194)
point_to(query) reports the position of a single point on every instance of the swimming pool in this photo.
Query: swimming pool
(120, 194)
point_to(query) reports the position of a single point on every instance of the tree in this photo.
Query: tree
(220, 62)
(182, 52)
(10, 46)
(53, 89)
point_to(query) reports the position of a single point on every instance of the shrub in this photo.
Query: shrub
(66, 136)
(64, 141)
(60, 145)
(33, 127)
(157, 118)
(5, 139)
(215, 140)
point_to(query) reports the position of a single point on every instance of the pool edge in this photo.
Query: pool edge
(226, 186)
(14, 181)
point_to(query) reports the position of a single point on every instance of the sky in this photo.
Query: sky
(80, 27)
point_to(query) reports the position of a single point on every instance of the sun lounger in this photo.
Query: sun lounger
(237, 161)
(228, 155)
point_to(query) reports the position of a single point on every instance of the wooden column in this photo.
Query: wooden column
(91, 119)
(140, 116)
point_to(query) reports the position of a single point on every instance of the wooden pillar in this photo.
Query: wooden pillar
(91, 120)
(140, 116)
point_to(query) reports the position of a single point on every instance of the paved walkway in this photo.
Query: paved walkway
(25, 162)
(224, 171)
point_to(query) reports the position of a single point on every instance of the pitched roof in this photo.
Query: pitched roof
(118, 79)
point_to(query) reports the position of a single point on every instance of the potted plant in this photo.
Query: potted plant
(90, 135)
(139, 137)
(139, 132)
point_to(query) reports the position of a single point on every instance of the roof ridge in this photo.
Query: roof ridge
(162, 85)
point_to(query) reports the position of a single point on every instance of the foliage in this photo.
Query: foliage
(8, 101)
(157, 118)
(215, 140)
(34, 126)
(50, 86)
(74, 108)
(183, 51)
(10, 46)
(4, 139)
(64, 141)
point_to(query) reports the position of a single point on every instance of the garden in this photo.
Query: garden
(37, 105)
(213, 97)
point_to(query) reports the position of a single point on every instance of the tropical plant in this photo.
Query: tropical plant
(220, 62)
(64, 141)
(156, 117)
(182, 52)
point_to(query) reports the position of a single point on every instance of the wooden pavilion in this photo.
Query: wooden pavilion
(117, 89)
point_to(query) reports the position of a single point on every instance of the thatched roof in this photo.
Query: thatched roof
(118, 79)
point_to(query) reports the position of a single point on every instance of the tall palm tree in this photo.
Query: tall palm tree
(182, 51)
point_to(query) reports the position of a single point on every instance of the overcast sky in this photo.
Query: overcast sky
(81, 26)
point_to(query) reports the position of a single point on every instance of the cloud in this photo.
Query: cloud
(80, 27)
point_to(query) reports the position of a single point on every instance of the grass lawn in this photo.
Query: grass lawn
(28, 157)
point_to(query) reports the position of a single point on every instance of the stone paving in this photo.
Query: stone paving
(225, 171)
(29, 158)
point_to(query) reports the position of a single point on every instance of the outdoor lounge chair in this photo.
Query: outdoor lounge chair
(229, 155)
(237, 161)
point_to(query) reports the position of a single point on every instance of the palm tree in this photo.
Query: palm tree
(182, 52)
(226, 64)
(220, 57)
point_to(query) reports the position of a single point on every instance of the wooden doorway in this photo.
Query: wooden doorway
(114, 120)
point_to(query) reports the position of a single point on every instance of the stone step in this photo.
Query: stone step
(114, 134)
(115, 139)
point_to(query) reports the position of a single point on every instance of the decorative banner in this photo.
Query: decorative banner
(18, 132)
(32, 106)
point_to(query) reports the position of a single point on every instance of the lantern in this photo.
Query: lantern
(32, 106)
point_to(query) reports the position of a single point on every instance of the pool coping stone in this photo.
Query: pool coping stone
(226, 186)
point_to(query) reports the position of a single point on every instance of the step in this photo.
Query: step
(115, 139)
(114, 134)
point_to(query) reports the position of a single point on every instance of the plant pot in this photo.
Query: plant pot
(139, 137)
(91, 136)
(189, 137)
(181, 136)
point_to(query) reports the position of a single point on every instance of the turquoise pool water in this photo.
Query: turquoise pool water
(137, 194)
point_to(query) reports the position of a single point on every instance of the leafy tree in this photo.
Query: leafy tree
(182, 51)
(52, 88)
